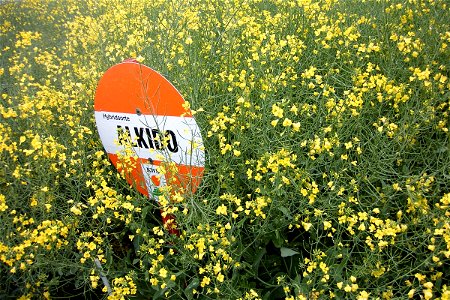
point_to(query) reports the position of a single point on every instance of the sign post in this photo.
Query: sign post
(140, 113)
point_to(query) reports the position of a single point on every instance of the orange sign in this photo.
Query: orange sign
(141, 115)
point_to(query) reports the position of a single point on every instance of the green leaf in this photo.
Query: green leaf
(137, 241)
(188, 290)
(258, 258)
(159, 294)
(145, 211)
(285, 212)
(285, 252)
(194, 283)
(278, 240)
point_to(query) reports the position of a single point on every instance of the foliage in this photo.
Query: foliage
(326, 126)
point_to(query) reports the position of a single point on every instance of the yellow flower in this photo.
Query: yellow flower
(428, 285)
(46, 295)
(205, 281)
(94, 281)
(154, 281)
(75, 210)
(379, 271)
(3, 206)
(363, 296)
(163, 273)
(287, 122)
(277, 111)
(420, 276)
(306, 226)
(221, 210)
(428, 294)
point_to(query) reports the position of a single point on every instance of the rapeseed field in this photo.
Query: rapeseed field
(326, 131)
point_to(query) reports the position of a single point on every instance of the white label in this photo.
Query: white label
(153, 180)
(160, 138)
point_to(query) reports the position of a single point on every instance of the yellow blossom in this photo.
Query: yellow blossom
(221, 210)
(205, 281)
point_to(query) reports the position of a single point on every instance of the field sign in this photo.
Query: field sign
(140, 112)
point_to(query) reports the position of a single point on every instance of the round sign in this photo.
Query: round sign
(142, 118)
